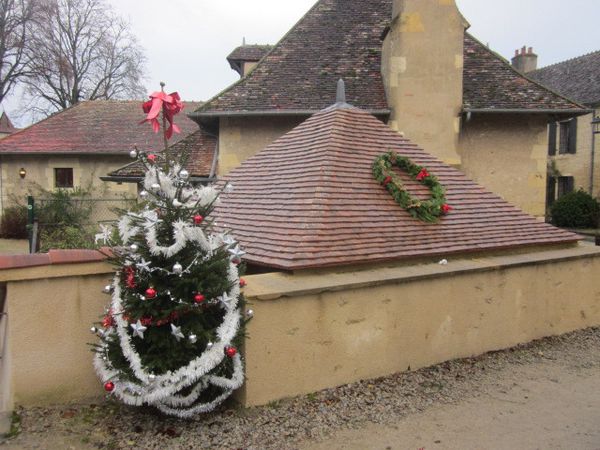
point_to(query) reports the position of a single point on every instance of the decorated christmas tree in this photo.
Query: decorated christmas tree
(170, 336)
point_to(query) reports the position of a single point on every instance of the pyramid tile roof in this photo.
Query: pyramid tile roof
(93, 127)
(577, 78)
(252, 52)
(310, 200)
(343, 39)
(200, 147)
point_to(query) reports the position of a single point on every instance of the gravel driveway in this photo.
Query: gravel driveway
(428, 408)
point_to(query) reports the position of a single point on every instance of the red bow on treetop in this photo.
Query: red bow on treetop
(169, 104)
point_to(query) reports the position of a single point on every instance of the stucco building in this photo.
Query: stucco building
(412, 64)
(573, 144)
(75, 147)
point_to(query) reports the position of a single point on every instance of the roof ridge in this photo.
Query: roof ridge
(260, 62)
(585, 55)
(509, 65)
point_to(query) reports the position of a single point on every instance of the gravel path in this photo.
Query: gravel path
(371, 406)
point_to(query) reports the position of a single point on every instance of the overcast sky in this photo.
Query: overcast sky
(186, 41)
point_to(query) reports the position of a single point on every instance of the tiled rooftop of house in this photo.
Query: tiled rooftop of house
(6, 125)
(577, 78)
(343, 39)
(310, 200)
(335, 39)
(491, 83)
(200, 147)
(94, 127)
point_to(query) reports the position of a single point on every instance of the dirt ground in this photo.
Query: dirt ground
(545, 405)
(542, 395)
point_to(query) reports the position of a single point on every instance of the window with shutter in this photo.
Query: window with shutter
(568, 137)
(63, 177)
(550, 191)
(572, 136)
(552, 139)
(565, 185)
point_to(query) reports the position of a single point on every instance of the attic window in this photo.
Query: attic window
(63, 177)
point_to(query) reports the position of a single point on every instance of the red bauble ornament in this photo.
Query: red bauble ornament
(387, 181)
(242, 282)
(150, 292)
(198, 219)
(109, 386)
(198, 298)
(230, 351)
(152, 158)
(146, 321)
(446, 208)
(108, 321)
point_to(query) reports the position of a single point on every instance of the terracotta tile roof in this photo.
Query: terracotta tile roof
(335, 39)
(309, 200)
(6, 125)
(342, 39)
(100, 126)
(200, 147)
(490, 82)
(577, 78)
(249, 52)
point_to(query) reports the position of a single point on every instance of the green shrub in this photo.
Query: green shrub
(13, 224)
(65, 237)
(576, 210)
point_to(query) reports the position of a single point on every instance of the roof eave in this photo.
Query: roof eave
(137, 179)
(271, 112)
(569, 112)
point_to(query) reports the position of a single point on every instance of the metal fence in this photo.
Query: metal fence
(78, 219)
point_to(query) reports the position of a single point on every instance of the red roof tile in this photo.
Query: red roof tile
(310, 200)
(200, 147)
(98, 127)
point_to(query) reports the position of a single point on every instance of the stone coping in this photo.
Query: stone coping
(273, 286)
(55, 263)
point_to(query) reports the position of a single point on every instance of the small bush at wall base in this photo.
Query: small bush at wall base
(13, 224)
(576, 210)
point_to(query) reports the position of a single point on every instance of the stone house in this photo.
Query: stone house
(412, 64)
(573, 144)
(74, 147)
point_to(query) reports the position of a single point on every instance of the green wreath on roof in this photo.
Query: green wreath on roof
(425, 210)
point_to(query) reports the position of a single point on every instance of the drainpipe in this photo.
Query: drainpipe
(595, 131)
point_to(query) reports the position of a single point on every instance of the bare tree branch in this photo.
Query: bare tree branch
(80, 50)
(15, 18)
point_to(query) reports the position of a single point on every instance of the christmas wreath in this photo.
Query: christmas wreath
(425, 210)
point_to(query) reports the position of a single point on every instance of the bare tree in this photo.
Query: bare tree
(15, 18)
(80, 50)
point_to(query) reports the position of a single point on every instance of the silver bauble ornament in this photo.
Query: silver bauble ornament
(144, 195)
(209, 345)
(93, 330)
(133, 247)
(151, 377)
(184, 174)
(250, 313)
(177, 268)
(107, 289)
(177, 203)
(192, 338)
(133, 154)
(155, 187)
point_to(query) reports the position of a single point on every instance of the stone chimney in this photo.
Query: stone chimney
(525, 60)
(422, 67)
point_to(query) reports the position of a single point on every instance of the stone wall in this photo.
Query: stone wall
(508, 154)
